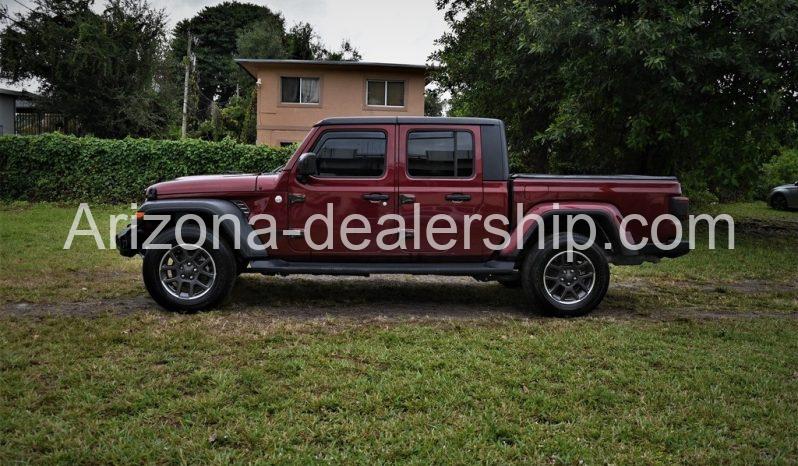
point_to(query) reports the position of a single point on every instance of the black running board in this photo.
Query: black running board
(279, 266)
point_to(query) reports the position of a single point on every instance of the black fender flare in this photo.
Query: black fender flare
(604, 225)
(210, 207)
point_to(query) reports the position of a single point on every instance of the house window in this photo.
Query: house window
(286, 143)
(351, 154)
(440, 154)
(299, 90)
(385, 93)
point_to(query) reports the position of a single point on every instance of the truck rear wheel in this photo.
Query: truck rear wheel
(188, 277)
(565, 284)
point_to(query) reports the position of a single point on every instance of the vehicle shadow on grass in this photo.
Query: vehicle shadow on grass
(404, 297)
(376, 296)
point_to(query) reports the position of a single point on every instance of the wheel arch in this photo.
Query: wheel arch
(207, 209)
(606, 217)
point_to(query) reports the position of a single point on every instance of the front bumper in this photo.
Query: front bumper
(124, 242)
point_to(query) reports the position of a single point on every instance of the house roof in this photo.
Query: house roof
(245, 62)
(25, 94)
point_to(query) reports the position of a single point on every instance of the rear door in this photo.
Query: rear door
(439, 173)
(356, 166)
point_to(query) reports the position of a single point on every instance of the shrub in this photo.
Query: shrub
(56, 167)
(783, 169)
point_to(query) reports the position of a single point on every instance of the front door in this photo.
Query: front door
(356, 177)
(440, 174)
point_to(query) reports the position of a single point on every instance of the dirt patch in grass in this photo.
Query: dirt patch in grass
(766, 228)
(408, 298)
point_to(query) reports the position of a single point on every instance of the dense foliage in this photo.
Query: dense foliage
(117, 74)
(96, 67)
(214, 31)
(783, 169)
(231, 29)
(703, 89)
(56, 167)
(433, 102)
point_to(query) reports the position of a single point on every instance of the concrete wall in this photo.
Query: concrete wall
(7, 109)
(342, 93)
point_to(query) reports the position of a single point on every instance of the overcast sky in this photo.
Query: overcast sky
(394, 31)
(397, 31)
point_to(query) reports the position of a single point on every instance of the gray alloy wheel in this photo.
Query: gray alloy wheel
(187, 272)
(561, 285)
(569, 281)
(190, 275)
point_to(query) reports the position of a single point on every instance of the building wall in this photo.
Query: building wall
(7, 109)
(342, 93)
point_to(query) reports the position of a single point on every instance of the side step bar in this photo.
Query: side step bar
(279, 266)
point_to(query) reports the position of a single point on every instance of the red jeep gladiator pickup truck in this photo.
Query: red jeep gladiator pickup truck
(403, 195)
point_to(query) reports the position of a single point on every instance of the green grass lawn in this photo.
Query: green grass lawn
(693, 360)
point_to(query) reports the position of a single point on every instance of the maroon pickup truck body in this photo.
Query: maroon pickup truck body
(490, 189)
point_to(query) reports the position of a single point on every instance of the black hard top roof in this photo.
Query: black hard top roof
(409, 121)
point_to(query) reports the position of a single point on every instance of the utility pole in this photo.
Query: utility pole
(185, 88)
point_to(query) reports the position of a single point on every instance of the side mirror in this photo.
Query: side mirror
(306, 166)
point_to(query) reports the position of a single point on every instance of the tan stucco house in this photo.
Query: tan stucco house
(295, 94)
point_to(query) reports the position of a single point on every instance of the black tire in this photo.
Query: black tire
(223, 265)
(584, 300)
(778, 202)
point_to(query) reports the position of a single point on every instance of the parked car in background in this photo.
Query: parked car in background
(784, 197)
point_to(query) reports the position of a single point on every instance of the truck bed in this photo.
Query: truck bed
(648, 196)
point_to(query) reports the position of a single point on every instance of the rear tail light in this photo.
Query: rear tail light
(680, 207)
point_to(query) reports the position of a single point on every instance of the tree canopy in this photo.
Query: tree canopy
(232, 29)
(98, 68)
(216, 33)
(703, 89)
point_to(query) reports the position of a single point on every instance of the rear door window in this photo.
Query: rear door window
(440, 154)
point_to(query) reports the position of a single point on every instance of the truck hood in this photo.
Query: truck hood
(208, 184)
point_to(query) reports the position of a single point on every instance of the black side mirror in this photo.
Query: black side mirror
(306, 166)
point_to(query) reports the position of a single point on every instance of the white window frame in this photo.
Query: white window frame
(300, 78)
(385, 92)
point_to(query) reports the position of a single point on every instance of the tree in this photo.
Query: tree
(433, 103)
(703, 89)
(346, 53)
(217, 30)
(97, 68)
(260, 40)
(302, 43)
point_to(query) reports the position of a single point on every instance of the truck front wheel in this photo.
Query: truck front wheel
(188, 277)
(563, 283)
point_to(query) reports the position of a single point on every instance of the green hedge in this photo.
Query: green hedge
(56, 167)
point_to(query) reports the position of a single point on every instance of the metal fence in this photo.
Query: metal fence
(31, 123)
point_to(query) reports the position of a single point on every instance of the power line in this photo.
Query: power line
(5, 15)
(23, 5)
